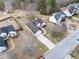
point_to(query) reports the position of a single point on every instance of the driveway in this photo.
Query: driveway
(66, 46)
(46, 42)
(50, 45)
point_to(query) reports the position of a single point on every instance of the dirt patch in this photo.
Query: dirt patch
(28, 46)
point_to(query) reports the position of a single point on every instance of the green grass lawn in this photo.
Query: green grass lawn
(55, 38)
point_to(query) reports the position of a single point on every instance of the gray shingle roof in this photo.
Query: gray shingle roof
(2, 44)
(7, 29)
(33, 25)
(71, 10)
(10, 28)
(58, 15)
(39, 21)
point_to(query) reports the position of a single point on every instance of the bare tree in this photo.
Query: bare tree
(8, 5)
(1, 4)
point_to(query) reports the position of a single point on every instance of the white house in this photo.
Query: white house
(36, 26)
(69, 11)
(75, 5)
(11, 31)
(57, 17)
(5, 33)
(8, 31)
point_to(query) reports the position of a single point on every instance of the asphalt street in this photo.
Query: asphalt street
(64, 47)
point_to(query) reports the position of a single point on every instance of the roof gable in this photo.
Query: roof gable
(59, 15)
(71, 10)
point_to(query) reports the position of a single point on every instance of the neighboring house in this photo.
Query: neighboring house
(75, 5)
(4, 33)
(7, 31)
(2, 45)
(36, 26)
(57, 17)
(11, 31)
(69, 11)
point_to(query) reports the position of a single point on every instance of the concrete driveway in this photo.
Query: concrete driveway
(45, 41)
(50, 45)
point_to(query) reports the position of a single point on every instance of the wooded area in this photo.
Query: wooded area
(44, 6)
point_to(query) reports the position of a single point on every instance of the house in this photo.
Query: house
(36, 26)
(4, 33)
(75, 5)
(11, 31)
(7, 31)
(69, 11)
(40, 23)
(57, 17)
(2, 45)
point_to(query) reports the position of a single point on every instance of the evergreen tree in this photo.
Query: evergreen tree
(42, 6)
(52, 6)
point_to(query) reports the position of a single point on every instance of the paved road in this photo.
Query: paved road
(3, 56)
(45, 41)
(69, 57)
(50, 45)
(64, 47)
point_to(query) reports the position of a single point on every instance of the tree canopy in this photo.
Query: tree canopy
(1, 4)
(42, 6)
